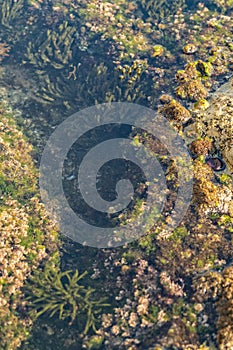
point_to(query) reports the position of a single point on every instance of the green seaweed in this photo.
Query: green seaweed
(55, 292)
(9, 11)
(53, 48)
(161, 9)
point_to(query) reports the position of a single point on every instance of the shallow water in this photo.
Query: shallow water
(58, 66)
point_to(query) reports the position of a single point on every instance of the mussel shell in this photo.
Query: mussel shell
(216, 163)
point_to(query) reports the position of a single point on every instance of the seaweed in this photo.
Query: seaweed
(55, 292)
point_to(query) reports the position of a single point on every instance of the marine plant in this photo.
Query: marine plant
(160, 9)
(53, 48)
(9, 11)
(53, 291)
(78, 90)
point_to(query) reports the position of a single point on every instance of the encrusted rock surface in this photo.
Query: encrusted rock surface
(216, 122)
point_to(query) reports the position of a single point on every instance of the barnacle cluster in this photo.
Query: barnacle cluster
(208, 194)
(175, 112)
(225, 310)
(151, 279)
(201, 147)
(120, 329)
(190, 84)
(219, 288)
(202, 243)
(152, 301)
(117, 21)
(222, 5)
(27, 235)
(216, 122)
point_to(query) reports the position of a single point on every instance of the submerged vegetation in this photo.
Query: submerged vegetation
(54, 48)
(160, 10)
(9, 11)
(55, 292)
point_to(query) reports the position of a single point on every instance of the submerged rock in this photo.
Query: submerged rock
(28, 236)
(216, 122)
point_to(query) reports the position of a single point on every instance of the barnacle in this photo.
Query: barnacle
(190, 83)
(216, 122)
(174, 111)
(201, 147)
(219, 287)
(193, 90)
(225, 311)
(116, 21)
(189, 49)
(25, 229)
